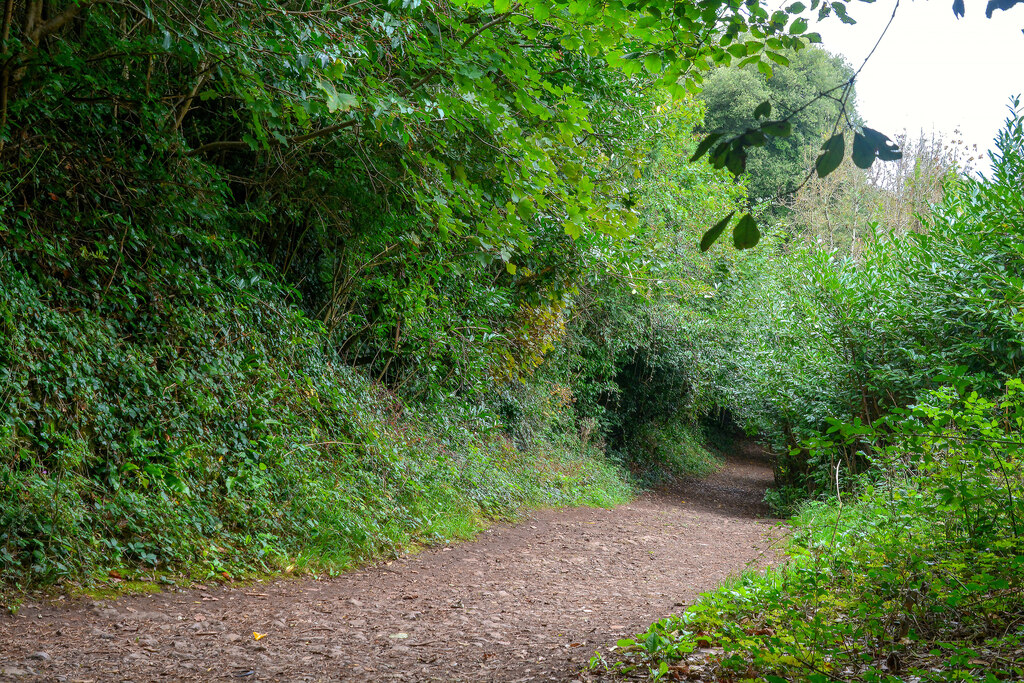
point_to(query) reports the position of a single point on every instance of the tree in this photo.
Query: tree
(252, 88)
(732, 95)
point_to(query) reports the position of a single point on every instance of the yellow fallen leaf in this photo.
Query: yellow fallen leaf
(257, 636)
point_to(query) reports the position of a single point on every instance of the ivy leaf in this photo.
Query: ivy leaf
(746, 235)
(526, 209)
(831, 155)
(712, 235)
(337, 101)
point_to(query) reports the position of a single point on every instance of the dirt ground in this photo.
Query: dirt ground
(530, 602)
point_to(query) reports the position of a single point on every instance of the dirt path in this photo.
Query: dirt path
(525, 603)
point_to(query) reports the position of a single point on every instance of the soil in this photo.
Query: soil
(530, 602)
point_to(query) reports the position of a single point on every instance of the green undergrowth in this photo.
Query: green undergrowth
(674, 448)
(919, 576)
(186, 416)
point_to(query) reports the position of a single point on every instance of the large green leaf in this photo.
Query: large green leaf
(712, 235)
(705, 145)
(746, 234)
(864, 153)
(831, 155)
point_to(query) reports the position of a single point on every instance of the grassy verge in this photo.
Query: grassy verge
(673, 448)
(849, 606)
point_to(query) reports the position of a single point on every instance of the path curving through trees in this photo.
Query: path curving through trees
(529, 602)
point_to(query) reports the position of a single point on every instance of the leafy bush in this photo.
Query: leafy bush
(803, 336)
(920, 577)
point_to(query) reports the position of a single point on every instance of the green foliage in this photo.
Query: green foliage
(190, 417)
(920, 577)
(210, 214)
(628, 349)
(814, 94)
(735, 99)
(494, 122)
(890, 386)
(675, 447)
(805, 336)
(391, 159)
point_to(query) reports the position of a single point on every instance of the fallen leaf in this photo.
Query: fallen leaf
(399, 635)
(257, 636)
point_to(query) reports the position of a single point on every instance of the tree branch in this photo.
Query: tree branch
(299, 139)
(433, 72)
(294, 140)
(38, 31)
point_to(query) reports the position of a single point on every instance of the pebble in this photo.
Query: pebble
(13, 672)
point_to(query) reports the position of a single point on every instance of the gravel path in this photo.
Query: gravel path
(529, 602)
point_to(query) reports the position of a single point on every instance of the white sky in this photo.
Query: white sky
(933, 72)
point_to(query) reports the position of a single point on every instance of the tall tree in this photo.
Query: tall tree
(780, 166)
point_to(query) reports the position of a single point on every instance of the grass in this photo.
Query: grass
(856, 602)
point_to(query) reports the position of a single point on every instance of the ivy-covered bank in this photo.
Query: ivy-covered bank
(191, 418)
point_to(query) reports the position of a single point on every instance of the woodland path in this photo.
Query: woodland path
(529, 602)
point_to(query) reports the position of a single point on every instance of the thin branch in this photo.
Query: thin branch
(433, 72)
(40, 31)
(295, 140)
